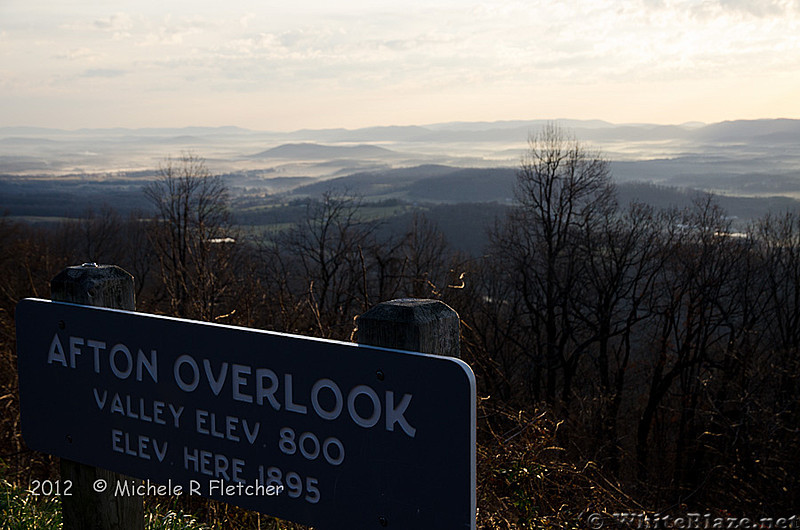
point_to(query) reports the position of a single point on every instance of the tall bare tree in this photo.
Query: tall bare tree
(620, 260)
(561, 187)
(425, 252)
(192, 236)
(689, 313)
(322, 260)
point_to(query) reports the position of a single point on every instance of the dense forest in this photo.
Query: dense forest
(628, 358)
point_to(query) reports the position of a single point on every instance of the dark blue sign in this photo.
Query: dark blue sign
(323, 433)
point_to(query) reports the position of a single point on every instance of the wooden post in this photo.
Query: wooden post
(101, 286)
(425, 326)
(418, 325)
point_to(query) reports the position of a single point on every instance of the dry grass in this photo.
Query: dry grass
(525, 479)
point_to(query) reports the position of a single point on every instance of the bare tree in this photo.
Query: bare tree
(138, 256)
(323, 262)
(192, 236)
(561, 188)
(425, 253)
(92, 237)
(620, 259)
(493, 336)
(688, 318)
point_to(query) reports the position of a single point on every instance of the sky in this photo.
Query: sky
(286, 65)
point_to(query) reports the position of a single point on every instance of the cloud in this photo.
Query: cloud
(759, 8)
(245, 20)
(119, 25)
(349, 50)
(499, 42)
(108, 73)
(78, 54)
(169, 32)
(712, 9)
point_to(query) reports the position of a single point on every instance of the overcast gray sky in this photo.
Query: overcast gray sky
(295, 64)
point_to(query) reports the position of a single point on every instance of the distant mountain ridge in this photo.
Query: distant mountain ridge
(311, 151)
(122, 131)
(780, 129)
(750, 130)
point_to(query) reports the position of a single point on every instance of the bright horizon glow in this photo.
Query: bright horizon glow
(313, 64)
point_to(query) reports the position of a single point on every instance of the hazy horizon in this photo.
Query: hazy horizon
(181, 126)
(567, 123)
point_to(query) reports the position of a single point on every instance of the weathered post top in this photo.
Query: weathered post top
(95, 285)
(426, 326)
